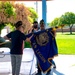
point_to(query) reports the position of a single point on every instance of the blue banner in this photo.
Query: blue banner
(45, 48)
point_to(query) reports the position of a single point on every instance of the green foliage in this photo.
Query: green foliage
(54, 22)
(30, 19)
(27, 45)
(68, 18)
(8, 8)
(11, 26)
(34, 15)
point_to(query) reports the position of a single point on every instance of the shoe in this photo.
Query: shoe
(54, 66)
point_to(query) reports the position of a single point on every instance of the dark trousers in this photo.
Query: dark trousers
(39, 71)
(53, 63)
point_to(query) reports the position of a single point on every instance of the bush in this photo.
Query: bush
(27, 45)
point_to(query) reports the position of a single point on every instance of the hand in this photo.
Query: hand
(28, 39)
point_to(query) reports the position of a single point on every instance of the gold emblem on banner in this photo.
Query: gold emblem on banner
(42, 39)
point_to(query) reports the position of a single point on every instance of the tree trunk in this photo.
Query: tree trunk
(62, 30)
(71, 29)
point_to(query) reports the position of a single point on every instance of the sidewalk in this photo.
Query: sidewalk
(65, 65)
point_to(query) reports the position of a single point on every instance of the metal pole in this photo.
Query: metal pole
(37, 8)
(44, 11)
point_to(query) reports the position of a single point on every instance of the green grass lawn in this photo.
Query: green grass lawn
(66, 43)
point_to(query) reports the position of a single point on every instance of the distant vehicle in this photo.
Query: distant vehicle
(4, 43)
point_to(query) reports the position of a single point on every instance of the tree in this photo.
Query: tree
(58, 22)
(11, 12)
(6, 10)
(61, 22)
(54, 22)
(68, 19)
(33, 15)
(23, 14)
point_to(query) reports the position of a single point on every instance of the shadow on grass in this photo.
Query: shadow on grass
(66, 33)
(69, 34)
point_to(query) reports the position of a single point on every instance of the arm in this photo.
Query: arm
(6, 38)
(28, 39)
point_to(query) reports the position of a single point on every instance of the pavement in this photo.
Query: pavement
(65, 65)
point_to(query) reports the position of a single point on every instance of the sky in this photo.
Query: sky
(55, 8)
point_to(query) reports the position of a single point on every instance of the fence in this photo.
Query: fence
(66, 30)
